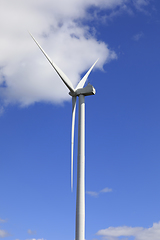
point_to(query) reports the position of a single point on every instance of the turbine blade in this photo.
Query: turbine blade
(64, 78)
(72, 136)
(84, 79)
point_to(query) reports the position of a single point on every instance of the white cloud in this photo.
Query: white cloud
(1, 112)
(3, 233)
(139, 233)
(32, 239)
(31, 232)
(93, 194)
(138, 36)
(2, 220)
(25, 75)
(106, 190)
(96, 194)
(36, 239)
(140, 4)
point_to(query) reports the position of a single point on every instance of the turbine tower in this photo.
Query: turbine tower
(81, 92)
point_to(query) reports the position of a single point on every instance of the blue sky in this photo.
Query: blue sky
(122, 119)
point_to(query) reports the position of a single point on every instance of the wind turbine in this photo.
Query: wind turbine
(81, 92)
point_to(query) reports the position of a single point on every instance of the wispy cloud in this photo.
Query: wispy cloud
(3, 233)
(26, 75)
(3, 220)
(31, 232)
(96, 194)
(106, 190)
(139, 233)
(137, 36)
(93, 194)
(36, 239)
(1, 112)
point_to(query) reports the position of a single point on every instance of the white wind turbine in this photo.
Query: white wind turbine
(81, 92)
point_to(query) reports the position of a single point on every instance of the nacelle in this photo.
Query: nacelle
(87, 91)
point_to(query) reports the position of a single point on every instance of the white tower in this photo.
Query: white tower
(81, 92)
